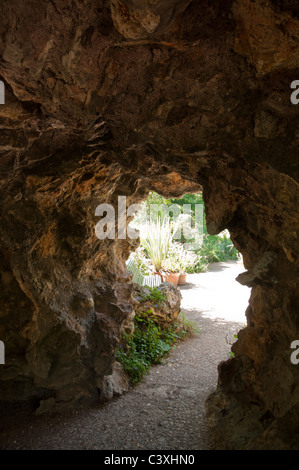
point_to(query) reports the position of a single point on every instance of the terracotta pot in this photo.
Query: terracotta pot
(172, 277)
(182, 279)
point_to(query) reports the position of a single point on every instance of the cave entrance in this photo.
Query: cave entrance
(201, 267)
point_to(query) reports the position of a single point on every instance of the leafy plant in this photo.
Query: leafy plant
(155, 295)
(217, 248)
(189, 327)
(145, 213)
(155, 238)
(148, 344)
(144, 348)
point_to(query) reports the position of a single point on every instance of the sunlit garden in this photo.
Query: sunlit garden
(173, 243)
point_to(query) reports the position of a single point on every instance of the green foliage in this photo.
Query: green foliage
(191, 199)
(144, 214)
(155, 295)
(188, 326)
(148, 344)
(153, 198)
(148, 340)
(216, 248)
(144, 348)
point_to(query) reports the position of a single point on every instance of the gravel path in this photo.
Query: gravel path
(166, 411)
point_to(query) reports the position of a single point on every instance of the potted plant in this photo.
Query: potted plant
(180, 260)
(171, 271)
(182, 279)
(171, 265)
(184, 264)
(156, 238)
(188, 261)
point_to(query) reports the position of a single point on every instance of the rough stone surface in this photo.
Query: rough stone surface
(164, 312)
(119, 98)
(115, 384)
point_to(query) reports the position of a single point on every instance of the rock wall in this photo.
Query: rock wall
(119, 98)
(164, 310)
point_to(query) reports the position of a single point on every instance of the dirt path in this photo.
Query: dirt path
(167, 409)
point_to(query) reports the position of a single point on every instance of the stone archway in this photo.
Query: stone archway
(116, 100)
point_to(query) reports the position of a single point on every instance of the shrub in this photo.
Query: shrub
(155, 295)
(217, 248)
(148, 344)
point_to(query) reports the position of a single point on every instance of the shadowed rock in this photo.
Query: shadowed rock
(118, 98)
